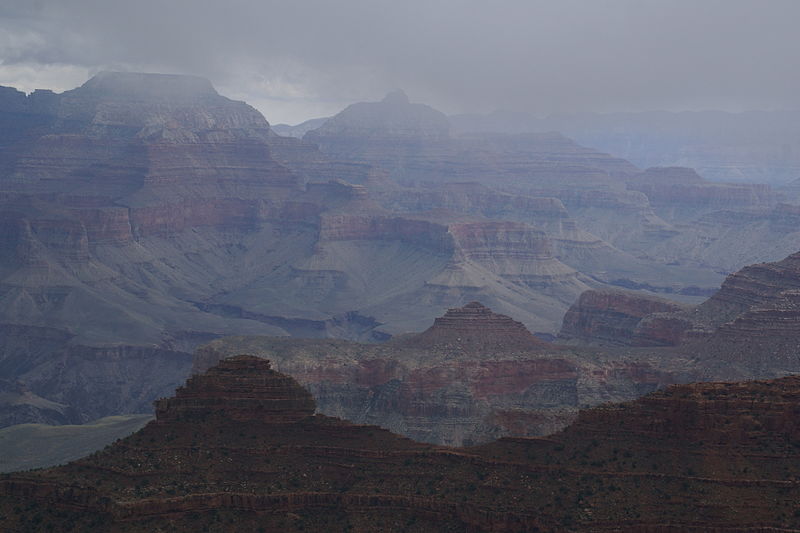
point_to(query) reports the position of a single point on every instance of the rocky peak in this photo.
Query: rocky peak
(476, 328)
(241, 388)
(133, 86)
(392, 118)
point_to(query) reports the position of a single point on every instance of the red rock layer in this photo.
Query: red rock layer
(618, 317)
(475, 328)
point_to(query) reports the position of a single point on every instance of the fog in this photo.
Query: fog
(302, 59)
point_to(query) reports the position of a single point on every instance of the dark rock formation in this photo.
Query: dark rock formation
(241, 388)
(718, 457)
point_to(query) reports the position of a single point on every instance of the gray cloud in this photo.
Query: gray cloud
(297, 59)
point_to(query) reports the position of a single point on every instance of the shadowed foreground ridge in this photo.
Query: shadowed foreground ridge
(243, 388)
(239, 449)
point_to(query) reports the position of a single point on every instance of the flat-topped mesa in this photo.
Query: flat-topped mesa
(612, 316)
(679, 187)
(132, 86)
(476, 328)
(241, 388)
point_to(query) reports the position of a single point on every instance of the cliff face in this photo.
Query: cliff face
(239, 449)
(620, 317)
(59, 381)
(747, 329)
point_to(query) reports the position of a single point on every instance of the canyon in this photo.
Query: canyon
(143, 216)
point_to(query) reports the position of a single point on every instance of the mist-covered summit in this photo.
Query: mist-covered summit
(148, 86)
(393, 117)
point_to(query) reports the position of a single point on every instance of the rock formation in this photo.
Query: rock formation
(472, 376)
(710, 457)
(622, 318)
(241, 388)
(747, 147)
(148, 214)
(475, 328)
(143, 215)
(747, 329)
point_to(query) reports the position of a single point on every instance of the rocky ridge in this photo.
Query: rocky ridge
(724, 453)
(475, 328)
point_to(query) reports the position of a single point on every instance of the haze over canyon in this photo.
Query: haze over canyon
(414, 311)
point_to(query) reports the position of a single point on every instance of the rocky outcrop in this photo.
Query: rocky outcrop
(710, 457)
(761, 342)
(241, 388)
(623, 318)
(474, 328)
(754, 285)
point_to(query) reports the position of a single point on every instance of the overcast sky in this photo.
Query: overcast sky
(296, 59)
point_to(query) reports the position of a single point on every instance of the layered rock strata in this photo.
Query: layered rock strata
(472, 376)
(623, 318)
(712, 457)
(475, 328)
(245, 389)
(747, 329)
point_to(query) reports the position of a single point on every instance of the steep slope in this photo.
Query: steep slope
(239, 449)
